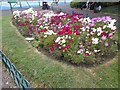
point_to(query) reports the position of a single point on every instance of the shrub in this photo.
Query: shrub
(75, 4)
(107, 4)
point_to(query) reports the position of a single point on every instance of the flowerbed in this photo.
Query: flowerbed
(73, 38)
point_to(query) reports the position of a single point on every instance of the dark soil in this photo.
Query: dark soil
(100, 60)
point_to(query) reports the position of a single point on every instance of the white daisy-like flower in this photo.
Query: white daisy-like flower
(58, 39)
(95, 40)
(63, 41)
(104, 26)
(96, 51)
(83, 29)
(16, 13)
(78, 51)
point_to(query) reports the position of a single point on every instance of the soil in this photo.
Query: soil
(7, 81)
(100, 60)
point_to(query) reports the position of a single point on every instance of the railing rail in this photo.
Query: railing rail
(20, 81)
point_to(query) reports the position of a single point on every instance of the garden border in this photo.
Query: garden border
(19, 79)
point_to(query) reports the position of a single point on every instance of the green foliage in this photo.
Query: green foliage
(42, 71)
(75, 4)
(107, 4)
(48, 41)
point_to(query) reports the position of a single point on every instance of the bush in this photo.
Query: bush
(75, 4)
(107, 4)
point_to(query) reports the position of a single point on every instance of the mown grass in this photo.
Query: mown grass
(42, 71)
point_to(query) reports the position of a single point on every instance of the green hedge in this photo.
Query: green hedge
(75, 4)
(107, 4)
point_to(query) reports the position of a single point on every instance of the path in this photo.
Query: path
(7, 81)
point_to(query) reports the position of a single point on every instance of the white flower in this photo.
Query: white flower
(16, 13)
(46, 27)
(99, 30)
(95, 40)
(87, 20)
(45, 36)
(111, 26)
(96, 50)
(104, 26)
(94, 30)
(49, 32)
(63, 41)
(61, 14)
(41, 26)
(87, 27)
(78, 51)
(112, 21)
(30, 10)
(64, 45)
(66, 36)
(69, 37)
(83, 29)
(58, 39)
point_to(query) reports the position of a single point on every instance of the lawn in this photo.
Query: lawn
(42, 71)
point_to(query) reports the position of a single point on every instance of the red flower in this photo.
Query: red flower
(43, 30)
(87, 54)
(70, 40)
(64, 49)
(68, 32)
(51, 49)
(76, 27)
(77, 32)
(68, 46)
(42, 37)
(54, 45)
(102, 34)
(39, 31)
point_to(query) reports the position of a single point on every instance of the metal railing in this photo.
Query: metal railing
(20, 81)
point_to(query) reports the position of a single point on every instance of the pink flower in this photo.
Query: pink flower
(106, 44)
(76, 32)
(103, 37)
(110, 34)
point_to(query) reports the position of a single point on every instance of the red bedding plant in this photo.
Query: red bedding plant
(76, 38)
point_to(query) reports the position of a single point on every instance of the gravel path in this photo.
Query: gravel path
(7, 81)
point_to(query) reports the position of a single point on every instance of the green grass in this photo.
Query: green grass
(111, 10)
(42, 71)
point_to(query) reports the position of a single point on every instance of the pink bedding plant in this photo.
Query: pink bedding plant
(76, 37)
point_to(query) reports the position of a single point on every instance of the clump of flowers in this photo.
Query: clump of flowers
(74, 37)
